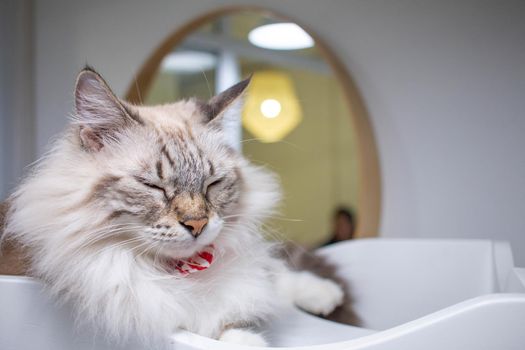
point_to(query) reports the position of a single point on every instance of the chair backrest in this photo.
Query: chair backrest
(393, 281)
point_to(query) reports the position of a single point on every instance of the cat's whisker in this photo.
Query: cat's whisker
(102, 234)
(120, 244)
(207, 83)
(105, 233)
(280, 141)
(157, 252)
(275, 217)
(137, 88)
(57, 226)
(148, 247)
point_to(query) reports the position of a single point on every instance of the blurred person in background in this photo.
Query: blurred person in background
(343, 225)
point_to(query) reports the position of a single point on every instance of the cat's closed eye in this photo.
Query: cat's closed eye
(153, 186)
(211, 185)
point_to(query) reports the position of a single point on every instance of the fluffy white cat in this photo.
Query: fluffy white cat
(147, 221)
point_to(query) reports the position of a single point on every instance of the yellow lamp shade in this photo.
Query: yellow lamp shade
(271, 109)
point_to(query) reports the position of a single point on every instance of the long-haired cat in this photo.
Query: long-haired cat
(147, 221)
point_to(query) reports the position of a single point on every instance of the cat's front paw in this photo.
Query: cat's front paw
(318, 295)
(243, 337)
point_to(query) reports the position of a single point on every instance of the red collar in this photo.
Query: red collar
(198, 262)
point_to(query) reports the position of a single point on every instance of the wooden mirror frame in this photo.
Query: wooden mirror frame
(369, 183)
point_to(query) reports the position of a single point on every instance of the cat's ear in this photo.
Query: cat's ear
(218, 104)
(99, 112)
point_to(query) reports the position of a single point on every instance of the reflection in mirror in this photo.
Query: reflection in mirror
(294, 120)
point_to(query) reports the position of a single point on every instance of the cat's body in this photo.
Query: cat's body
(129, 190)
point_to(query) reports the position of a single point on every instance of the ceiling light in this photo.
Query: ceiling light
(270, 108)
(280, 36)
(188, 61)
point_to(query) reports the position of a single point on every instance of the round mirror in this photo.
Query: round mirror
(302, 116)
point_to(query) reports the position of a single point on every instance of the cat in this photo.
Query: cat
(147, 221)
(299, 258)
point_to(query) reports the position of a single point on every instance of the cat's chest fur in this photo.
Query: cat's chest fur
(236, 286)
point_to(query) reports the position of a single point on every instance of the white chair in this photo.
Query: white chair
(409, 294)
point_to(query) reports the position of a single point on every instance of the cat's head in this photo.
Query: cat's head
(167, 169)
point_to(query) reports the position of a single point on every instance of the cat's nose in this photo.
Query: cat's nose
(195, 226)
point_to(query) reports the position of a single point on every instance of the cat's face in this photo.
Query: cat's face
(164, 170)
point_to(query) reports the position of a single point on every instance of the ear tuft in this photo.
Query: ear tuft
(90, 140)
(99, 112)
(218, 104)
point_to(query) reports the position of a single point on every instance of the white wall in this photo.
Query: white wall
(444, 82)
(17, 134)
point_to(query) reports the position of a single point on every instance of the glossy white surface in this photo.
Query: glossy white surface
(416, 294)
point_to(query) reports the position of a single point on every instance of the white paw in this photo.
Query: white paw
(243, 337)
(317, 295)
